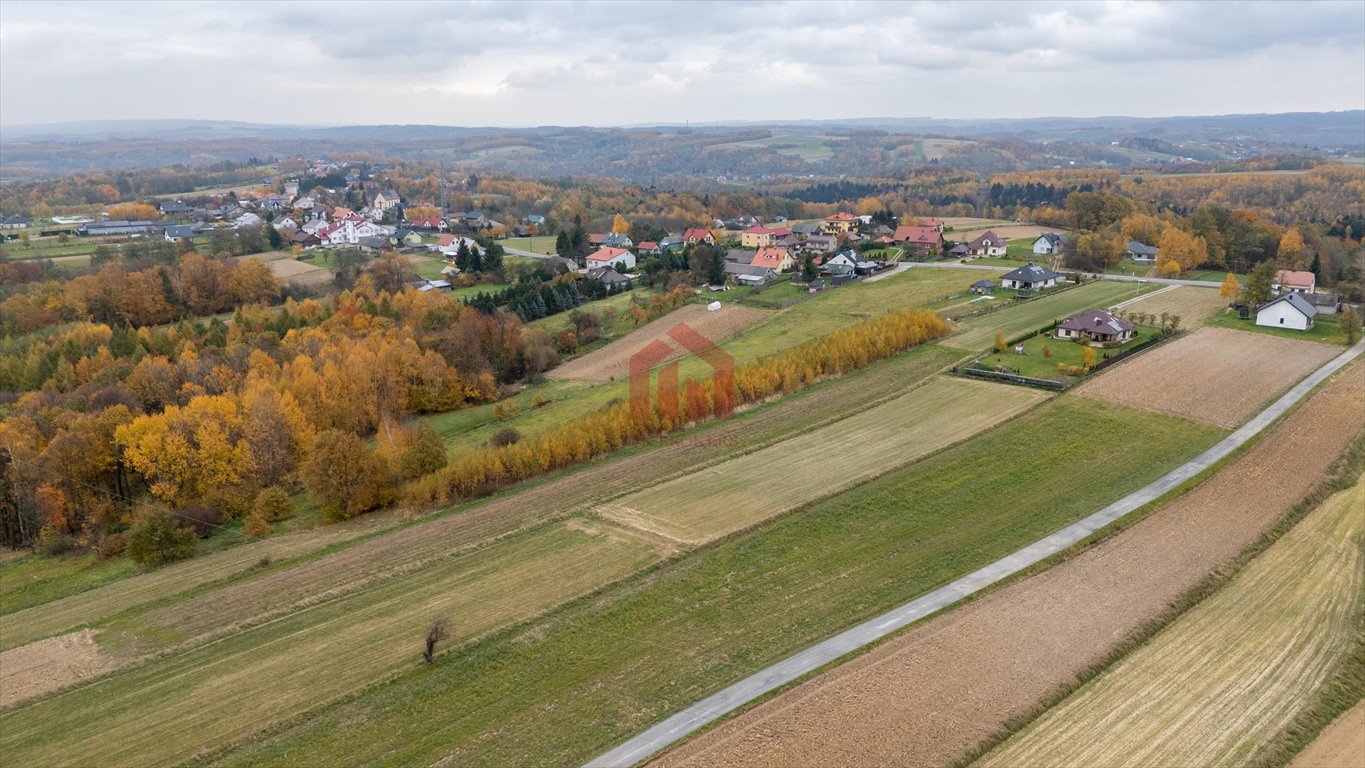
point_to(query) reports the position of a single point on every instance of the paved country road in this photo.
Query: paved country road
(716, 706)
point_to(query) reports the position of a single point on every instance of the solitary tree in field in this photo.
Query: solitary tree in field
(438, 631)
(1046, 351)
(1000, 341)
(1230, 289)
(1350, 325)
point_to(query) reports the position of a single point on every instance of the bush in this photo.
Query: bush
(255, 525)
(426, 454)
(232, 502)
(538, 401)
(157, 539)
(111, 545)
(505, 410)
(273, 504)
(52, 544)
(201, 519)
(506, 436)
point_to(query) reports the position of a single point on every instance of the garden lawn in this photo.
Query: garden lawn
(1035, 364)
(538, 244)
(572, 684)
(1037, 313)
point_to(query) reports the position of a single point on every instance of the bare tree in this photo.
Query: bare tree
(439, 631)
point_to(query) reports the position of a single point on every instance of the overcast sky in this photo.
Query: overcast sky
(516, 64)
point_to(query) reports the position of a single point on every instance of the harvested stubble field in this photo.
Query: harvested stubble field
(1017, 320)
(1221, 681)
(283, 667)
(251, 601)
(1026, 232)
(291, 270)
(1194, 305)
(744, 491)
(613, 361)
(48, 665)
(537, 696)
(1213, 375)
(954, 680)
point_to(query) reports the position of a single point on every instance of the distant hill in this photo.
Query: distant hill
(747, 150)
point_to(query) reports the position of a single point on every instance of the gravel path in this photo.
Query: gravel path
(718, 705)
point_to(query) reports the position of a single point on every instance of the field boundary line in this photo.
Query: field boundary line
(727, 700)
(1136, 299)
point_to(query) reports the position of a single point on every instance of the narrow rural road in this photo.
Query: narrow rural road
(716, 706)
(1121, 278)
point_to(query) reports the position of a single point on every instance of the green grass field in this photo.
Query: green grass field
(283, 667)
(567, 686)
(1220, 682)
(1019, 319)
(46, 249)
(747, 490)
(537, 244)
(1326, 328)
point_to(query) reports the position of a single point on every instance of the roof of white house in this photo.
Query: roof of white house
(1296, 301)
(1030, 273)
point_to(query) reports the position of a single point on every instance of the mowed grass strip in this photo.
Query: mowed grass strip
(94, 605)
(1032, 315)
(167, 710)
(1212, 688)
(746, 490)
(583, 678)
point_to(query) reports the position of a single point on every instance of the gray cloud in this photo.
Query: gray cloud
(502, 63)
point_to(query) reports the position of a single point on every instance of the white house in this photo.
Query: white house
(987, 244)
(1030, 277)
(1291, 310)
(1294, 281)
(350, 232)
(610, 257)
(1048, 244)
(1141, 253)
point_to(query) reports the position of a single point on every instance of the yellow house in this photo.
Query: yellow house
(761, 237)
(839, 223)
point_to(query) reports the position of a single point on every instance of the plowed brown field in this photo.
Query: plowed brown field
(613, 360)
(1214, 375)
(1340, 745)
(936, 691)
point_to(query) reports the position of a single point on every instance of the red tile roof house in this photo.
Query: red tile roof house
(698, 235)
(777, 259)
(1095, 325)
(610, 257)
(1295, 281)
(987, 244)
(596, 239)
(648, 247)
(426, 222)
(919, 240)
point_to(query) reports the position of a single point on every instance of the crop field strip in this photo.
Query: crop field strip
(271, 594)
(283, 667)
(1228, 675)
(581, 678)
(1213, 375)
(931, 694)
(1192, 304)
(749, 489)
(1032, 315)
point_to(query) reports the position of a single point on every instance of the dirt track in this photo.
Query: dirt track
(1213, 375)
(929, 695)
(613, 361)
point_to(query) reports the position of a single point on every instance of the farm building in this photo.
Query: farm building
(1095, 325)
(987, 244)
(1048, 244)
(1140, 252)
(959, 251)
(1030, 277)
(1289, 311)
(1295, 281)
(116, 227)
(608, 257)
(983, 287)
(745, 274)
(1324, 303)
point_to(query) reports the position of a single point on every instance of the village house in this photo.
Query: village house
(1048, 244)
(1294, 281)
(740, 256)
(617, 240)
(427, 222)
(839, 223)
(173, 208)
(449, 244)
(405, 238)
(558, 265)
(1030, 277)
(820, 244)
(1095, 325)
(779, 259)
(609, 277)
(696, 235)
(919, 240)
(18, 222)
(1292, 310)
(647, 248)
(762, 237)
(1141, 253)
(178, 233)
(611, 257)
(987, 244)
(304, 239)
(748, 274)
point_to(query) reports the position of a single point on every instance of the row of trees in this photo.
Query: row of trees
(485, 470)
